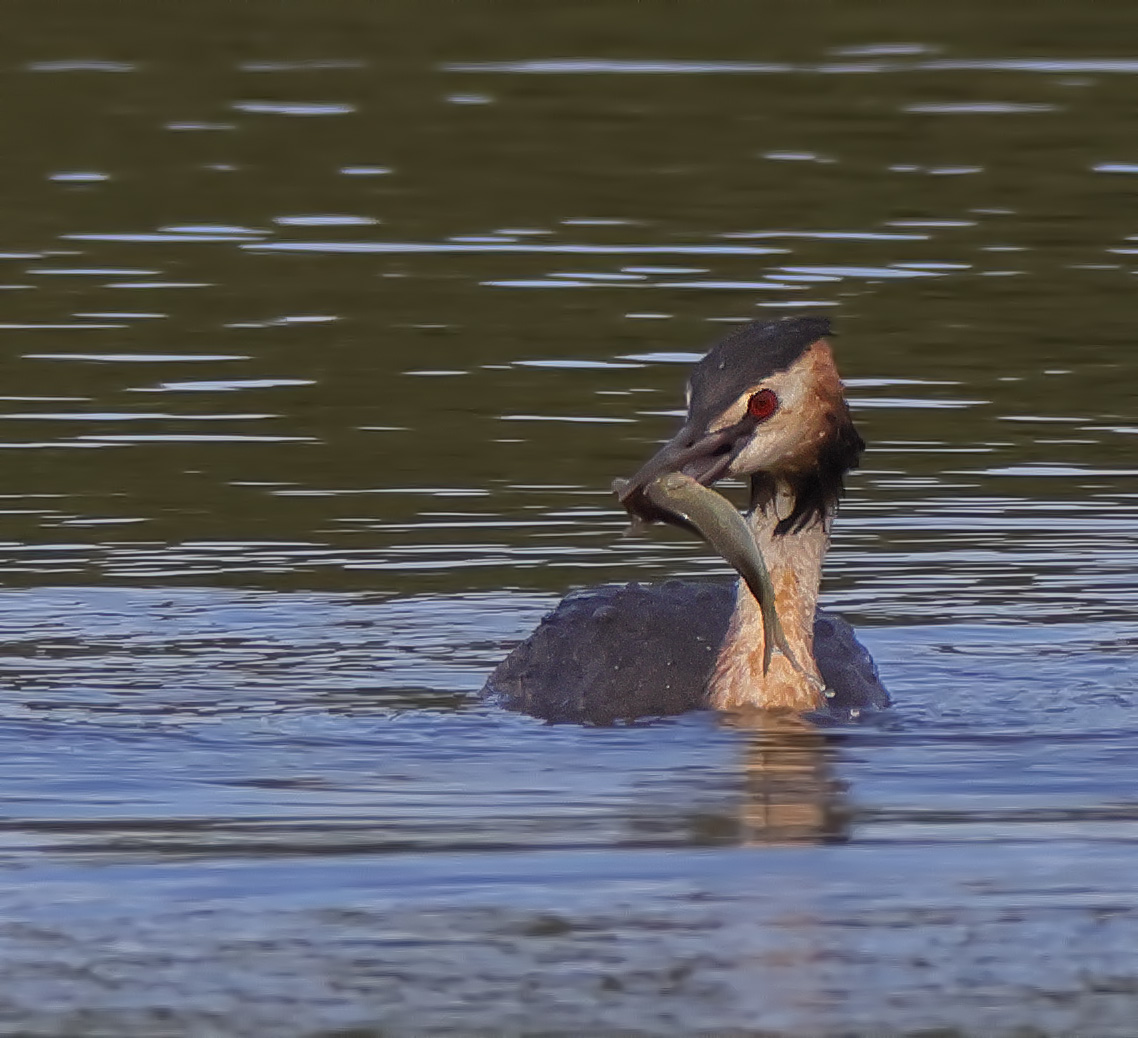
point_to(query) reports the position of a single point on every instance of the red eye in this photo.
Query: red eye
(762, 405)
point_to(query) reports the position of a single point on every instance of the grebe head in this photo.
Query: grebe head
(765, 403)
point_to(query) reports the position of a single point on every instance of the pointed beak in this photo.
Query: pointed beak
(704, 456)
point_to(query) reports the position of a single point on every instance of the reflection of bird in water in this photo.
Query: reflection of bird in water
(789, 792)
(765, 404)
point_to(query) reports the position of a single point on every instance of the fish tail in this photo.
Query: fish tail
(775, 638)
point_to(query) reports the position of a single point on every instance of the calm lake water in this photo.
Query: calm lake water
(325, 328)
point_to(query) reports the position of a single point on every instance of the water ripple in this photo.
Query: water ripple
(566, 248)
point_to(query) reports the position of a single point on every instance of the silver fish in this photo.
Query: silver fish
(725, 530)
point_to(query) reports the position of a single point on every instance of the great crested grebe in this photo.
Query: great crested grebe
(766, 404)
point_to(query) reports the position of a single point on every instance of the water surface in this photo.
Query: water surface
(325, 330)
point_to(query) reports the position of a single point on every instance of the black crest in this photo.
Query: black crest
(747, 356)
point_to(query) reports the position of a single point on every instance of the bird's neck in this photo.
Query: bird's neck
(794, 561)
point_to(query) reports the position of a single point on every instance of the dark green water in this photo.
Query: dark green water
(324, 329)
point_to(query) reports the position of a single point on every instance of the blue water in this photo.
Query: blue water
(325, 330)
